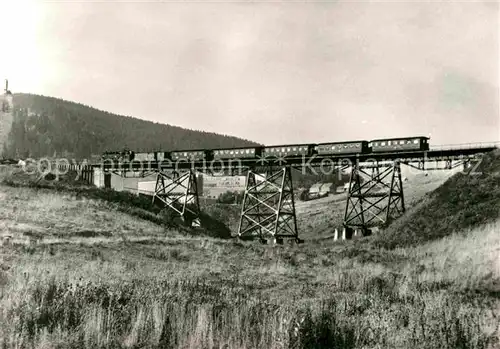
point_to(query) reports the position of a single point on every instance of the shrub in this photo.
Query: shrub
(231, 197)
(304, 195)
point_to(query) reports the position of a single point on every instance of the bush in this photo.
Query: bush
(214, 227)
(231, 197)
(304, 195)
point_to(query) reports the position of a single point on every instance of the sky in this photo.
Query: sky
(272, 72)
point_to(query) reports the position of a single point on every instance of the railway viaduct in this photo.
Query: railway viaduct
(375, 196)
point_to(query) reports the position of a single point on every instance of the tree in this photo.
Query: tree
(231, 197)
(304, 195)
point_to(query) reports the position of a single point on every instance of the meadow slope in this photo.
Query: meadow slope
(468, 199)
(80, 272)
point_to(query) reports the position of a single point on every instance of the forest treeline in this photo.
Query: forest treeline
(47, 126)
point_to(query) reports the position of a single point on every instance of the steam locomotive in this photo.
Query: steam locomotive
(388, 145)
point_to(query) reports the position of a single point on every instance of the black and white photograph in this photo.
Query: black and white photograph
(236, 174)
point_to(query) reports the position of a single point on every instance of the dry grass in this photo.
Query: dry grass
(470, 260)
(43, 215)
(144, 287)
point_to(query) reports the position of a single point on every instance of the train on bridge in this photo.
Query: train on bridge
(388, 145)
(269, 210)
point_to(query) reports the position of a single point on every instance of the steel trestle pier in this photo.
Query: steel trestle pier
(375, 197)
(268, 210)
(179, 192)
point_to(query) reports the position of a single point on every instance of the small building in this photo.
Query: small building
(326, 189)
(319, 190)
(133, 182)
(213, 186)
(99, 178)
(148, 187)
(314, 191)
(339, 189)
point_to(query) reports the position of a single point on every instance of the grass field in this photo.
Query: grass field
(81, 272)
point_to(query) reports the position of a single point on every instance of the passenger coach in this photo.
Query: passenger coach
(399, 144)
(191, 155)
(355, 147)
(237, 153)
(281, 151)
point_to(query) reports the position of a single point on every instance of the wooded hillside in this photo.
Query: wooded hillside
(47, 126)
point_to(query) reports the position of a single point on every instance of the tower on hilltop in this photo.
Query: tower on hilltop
(6, 117)
(7, 98)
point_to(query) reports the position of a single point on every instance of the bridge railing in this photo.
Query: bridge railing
(478, 145)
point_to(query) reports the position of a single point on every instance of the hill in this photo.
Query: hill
(44, 126)
(466, 200)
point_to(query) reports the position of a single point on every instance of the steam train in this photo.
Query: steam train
(388, 145)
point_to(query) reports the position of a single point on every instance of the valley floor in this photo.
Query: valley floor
(77, 272)
(317, 219)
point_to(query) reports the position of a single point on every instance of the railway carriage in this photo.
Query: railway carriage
(237, 153)
(191, 155)
(162, 156)
(119, 156)
(341, 148)
(399, 144)
(280, 151)
(145, 156)
(111, 155)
